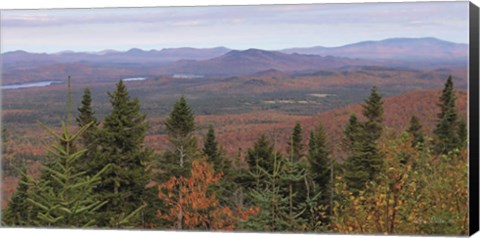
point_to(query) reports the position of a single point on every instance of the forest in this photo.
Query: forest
(373, 180)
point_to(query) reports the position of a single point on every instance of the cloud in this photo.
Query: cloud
(264, 26)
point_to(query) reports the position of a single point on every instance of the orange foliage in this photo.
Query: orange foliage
(192, 207)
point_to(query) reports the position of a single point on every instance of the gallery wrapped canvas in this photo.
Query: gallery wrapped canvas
(304, 118)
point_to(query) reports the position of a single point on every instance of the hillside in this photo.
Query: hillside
(251, 61)
(237, 132)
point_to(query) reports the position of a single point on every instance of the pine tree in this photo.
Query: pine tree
(180, 126)
(321, 173)
(295, 144)
(373, 111)
(19, 210)
(66, 198)
(295, 178)
(365, 160)
(88, 140)
(226, 186)
(120, 144)
(445, 131)
(351, 133)
(261, 156)
(415, 130)
(86, 116)
(279, 210)
(210, 149)
(462, 134)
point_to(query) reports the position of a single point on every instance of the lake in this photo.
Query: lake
(134, 79)
(30, 85)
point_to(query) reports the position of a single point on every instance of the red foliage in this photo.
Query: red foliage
(192, 207)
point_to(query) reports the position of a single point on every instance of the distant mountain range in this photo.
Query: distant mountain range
(252, 61)
(22, 66)
(411, 49)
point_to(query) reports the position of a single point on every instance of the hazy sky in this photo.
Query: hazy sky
(242, 27)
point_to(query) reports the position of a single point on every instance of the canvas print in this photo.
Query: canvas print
(317, 118)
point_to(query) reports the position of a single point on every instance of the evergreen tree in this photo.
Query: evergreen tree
(462, 134)
(351, 133)
(66, 198)
(120, 144)
(87, 116)
(321, 173)
(445, 131)
(295, 144)
(176, 161)
(180, 125)
(269, 195)
(261, 156)
(226, 186)
(415, 130)
(210, 149)
(365, 160)
(295, 177)
(373, 111)
(19, 210)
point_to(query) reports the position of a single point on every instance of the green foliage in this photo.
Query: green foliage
(210, 149)
(351, 133)
(462, 134)
(276, 212)
(295, 144)
(226, 187)
(120, 145)
(373, 111)
(321, 174)
(66, 198)
(87, 115)
(261, 156)
(19, 210)
(415, 129)
(180, 122)
(365, 160)
(445, 131)
(89, 137)
(182, 150)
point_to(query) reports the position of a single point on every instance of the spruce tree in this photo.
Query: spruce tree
(445, 131)
(295, 176)
(321, 173)
(365, 160)
(19, 210)
(120, 145)
(89, 138)
(65, 198)
(351, 132)
(180, 125)
(87, 115)
(373, 111)
(295, 144)
(226, 186)
(415, 130)
(261, 156)
(462, 134)
(210, 149)
(268, 194)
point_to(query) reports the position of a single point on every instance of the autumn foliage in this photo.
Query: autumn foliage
(191, 207)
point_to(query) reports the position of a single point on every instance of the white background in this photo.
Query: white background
(35, 4)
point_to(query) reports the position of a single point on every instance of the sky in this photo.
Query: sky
(270, 27)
